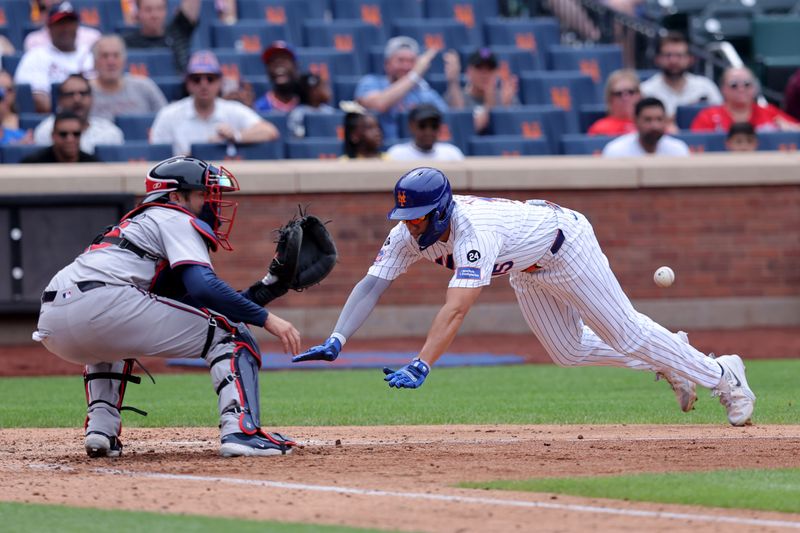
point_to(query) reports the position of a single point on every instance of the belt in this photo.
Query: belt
(83, 286)
(559, 240)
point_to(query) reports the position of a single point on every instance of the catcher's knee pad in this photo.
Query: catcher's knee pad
(105, 385)
(234, 376)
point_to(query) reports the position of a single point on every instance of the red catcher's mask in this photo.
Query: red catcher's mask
(221, 212)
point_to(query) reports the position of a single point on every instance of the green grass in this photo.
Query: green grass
(766, 490)
(20, 517)
(530, 394)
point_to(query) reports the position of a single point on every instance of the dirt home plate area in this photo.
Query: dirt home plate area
(402, 478)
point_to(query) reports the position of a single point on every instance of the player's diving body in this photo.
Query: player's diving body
(144, 288)
(565, 288)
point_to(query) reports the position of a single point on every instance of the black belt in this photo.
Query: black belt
(83, 286)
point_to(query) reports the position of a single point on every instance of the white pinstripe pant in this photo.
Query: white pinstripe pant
(578, 310)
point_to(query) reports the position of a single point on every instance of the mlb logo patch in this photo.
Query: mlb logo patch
(468, 273)
(66, 294)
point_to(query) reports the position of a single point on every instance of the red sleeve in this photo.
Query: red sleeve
(703, 121)
(597, 127)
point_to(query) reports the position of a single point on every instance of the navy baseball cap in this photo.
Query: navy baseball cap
(203, 62)
(483, 57)
(61, 11)
(278, 47)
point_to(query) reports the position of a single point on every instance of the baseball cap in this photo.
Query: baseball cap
(483, 57)
(203, 62)
(61, 11)
(395, 44)
(277, 47)
(425, 112)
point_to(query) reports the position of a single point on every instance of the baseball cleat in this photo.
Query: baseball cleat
(734, 393)
(101, 445)
(685, 390)
(260, 444)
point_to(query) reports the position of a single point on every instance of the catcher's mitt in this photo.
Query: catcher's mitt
(306, 265)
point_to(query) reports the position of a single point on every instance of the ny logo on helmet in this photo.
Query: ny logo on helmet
(401, 198)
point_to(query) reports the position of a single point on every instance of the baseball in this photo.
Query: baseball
(664, 276)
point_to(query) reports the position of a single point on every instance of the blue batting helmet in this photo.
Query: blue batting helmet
(421, 192)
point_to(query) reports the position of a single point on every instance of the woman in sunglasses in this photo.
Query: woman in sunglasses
(739, 89)
(622, 95)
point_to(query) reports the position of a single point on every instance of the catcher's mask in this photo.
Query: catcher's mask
(192, 174)
(424, 192)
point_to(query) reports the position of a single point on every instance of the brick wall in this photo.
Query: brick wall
(721, 241)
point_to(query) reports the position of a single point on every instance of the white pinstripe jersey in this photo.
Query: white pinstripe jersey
(488, 237)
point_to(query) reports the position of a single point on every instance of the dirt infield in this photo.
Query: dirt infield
(399, 478)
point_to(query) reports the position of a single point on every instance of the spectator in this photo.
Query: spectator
(622, 95)
(45, 65)
(281, 65)
(153, 31)
(86, 36)
(11, 117)
(315, 93)
(363, 138)
(402, 86)
(117, 92)
(481, 92)
(649, 137)
(675, 85)
(8, 135)
(65, 142)
(741, 138)
(203, 116)
(739, 90)
(75, 95)
(791, 96)
(238, 90)
(425, 121)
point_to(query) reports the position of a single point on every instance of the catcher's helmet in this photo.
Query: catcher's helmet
(424, 191)
(192, 174)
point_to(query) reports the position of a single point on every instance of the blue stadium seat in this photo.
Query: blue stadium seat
(327, 63)
(369, 11)
(646, 73)
(12, 153)
(531, 122)
(152, 62)
(684, 114)
(314, 148)
(564, 90)
(535, 35)
(132, 151)
(703, 142)
(101, 14)
(277, 119)
(470, 13)
(247, 35)
(325, 125)
(289, 13)
(234, 62)
(507, 146)
(430, 33)
(588, 114)
(344, 87)
(580, 144)
(260, 84)
(13, 16)
(29, 121)
(457, 128)
(24, 98)
(784, 141)
(135, 127)
(10, 62)
(242, 152)
(596, 61)
(173, 87)
(11, 34)
(351, 36)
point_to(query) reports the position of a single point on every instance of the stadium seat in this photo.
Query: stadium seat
(247, 35)
(403, 9)
(135, 127)
(28, 121)
(277, 119)
(325, 125)
(507, 146)
(241, 152)
(344, 87)
(684, 115)
(326, 62)
(434, 33)
(11, 61)
(173, 87)
(580, 144)
(151, 62)
(314, 148)
(588, 114)
(237, 64)
(350, 36)
(703, 142)
(13, 16)
(470, 13)
(24, 98)
(784, 141)
(12, 153)
(564, 90)
(457, 128)
(289, 13)
(776, 7)
(531, 122)
(774, 72)
(536, 34)
(646, 73)
(596, 61)
(132, 151)
(101, 14)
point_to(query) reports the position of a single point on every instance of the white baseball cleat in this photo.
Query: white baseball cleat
(101, 445)
(685, 390)
(734, 393)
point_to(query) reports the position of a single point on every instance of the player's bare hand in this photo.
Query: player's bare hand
(452, 66)
(424, 61)
(285, 331)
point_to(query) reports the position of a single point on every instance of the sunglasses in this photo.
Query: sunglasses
(417, 221)
(67, 133)
(197, 78)
(624, 92)
(737, 84)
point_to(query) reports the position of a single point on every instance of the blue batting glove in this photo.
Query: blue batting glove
(411, 376)
(327, 351)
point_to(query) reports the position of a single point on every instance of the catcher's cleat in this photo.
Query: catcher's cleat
(734, 393)
(685, 390)
(260, 444)
(101, 445)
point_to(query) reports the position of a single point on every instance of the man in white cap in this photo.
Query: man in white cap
(402, 87)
